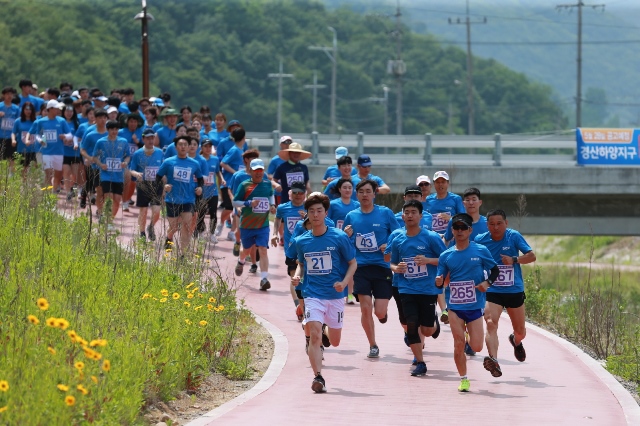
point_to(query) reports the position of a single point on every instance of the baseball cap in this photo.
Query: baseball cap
(285, 139)
(156, 101)
(412, 189)
(256, 163)
(148, 132)
(207, 142)
(298, 186)
(112, 109)
(441, 174)
(364, 160)
(53, 104)
(233, 123)
(462, 217)
(102, 98)
(423, 178)
(341, 151)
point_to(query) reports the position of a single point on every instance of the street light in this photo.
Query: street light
(144, 18)
(333, 56)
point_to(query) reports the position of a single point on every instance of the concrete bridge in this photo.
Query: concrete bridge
(533, 177)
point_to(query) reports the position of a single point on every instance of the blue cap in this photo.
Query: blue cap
(148, 132)
(341, 151)
(233, 123)
(256, 163)
(364, 160)
(157, 101)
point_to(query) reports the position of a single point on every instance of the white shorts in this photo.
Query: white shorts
(52, 162)
(324, 311)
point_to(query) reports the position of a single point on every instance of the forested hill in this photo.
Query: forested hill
(219, 53)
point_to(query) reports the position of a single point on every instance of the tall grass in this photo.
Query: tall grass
(114, 329)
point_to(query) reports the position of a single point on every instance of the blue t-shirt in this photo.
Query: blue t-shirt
(287, 173)
(225, 144)
(450, 204)
(148, 165)
(290, 216)
(510, 278)
(478, 228)
(233, 159)
(51, 129)
(338, 210)
(273, 165)
(11, 114)
(111, 153)
(82, 130)
(213, 135)
(329, 189)
(89, 142)
(466, 268)
(69, 151)
(334, 172)
(37, 102)
(165, 136)
(376, 179)
(403, 248)
(210, 171)
(370, 231)
(21, 130)
(237, 178)
(425, 222)
(128, 136)
(179, 173)
(325, 259)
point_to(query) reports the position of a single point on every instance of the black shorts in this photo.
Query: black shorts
(71, 160)
(299, 294)
(396, 297)
(27, 158)
(208, 206)
(507, 300)
(420, 308)
(93, 179)
(373, 280)
(149, 193)
(226, 198)
(291, 263)
(7, 149)
(112, 187)
(175, 210)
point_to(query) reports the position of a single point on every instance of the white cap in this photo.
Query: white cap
(441, 174)
(423, 178)
(75, 94)
(286, 138)
(112, 109)
(341, 151)
(256, 163)
(53, 104)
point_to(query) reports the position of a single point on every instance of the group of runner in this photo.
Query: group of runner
(340, 245)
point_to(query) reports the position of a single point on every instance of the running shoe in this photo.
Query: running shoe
(231, 236)
(299, 313)
(83, 202)
(264, 284)
(464, 385)
(491, 365)
(236, 249)
(468, 350)
(239, 268)
(351, 300)
(125, 206)
(131, 202)
(219, 229)
(518, 351)
(318, 385)
(143, 236)
(253, 269)
(93, 199)
(374, 352)
(420, 370)
(437, 332)
(151, 231)
(406, 340)
(383, 320)
(415, 361)
(445, 317)
(325, 338)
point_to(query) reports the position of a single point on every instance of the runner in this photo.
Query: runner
(344, 204)
(462, 270)
(20, 136)
(275, 162)
(505, 245)
(332, 172)
(369, 227)
(425, 186)
(345, 168)
(132, 133)
(292, 169)
(166, 133)
(9, 113)
(328, 258)
(255, 197)
(414, 258)
(144, 166)
(71, 159)
(212, 174)
(86, 150)
(364, 169)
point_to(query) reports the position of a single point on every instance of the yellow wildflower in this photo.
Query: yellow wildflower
(197, 308)
(94, 379)
(51, 350)
(203, 323)
(63, 388)
(42, 304)
(106, 365)
(170, 242)
(81, 341)
(188, 321)
(212, 300)
(191, 285)
(164, 299)
(210, 306)
(96, 355)
(69, 400)
(62, 323)
(51, 322)
(4, 385)
(164, 292)
(176, 296)
(190, 296)
(72, 335)
(200, 296)
(146, 296)
(221, 308)
(33, 319)
(79, 365)
(98, 342)
(82, 389)
(3, 409)
(187, 304)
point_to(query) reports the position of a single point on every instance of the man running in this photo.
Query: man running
(505, 245)
(364, 172)
(328, 258)
(461, 269)
(345, 168)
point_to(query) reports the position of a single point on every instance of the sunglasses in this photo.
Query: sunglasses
(289, 142)
(460, 227)
(424, 184)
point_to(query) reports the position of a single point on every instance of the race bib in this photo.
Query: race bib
(294, 177)
(366, 242)
(150, 173)
(339, 224)
(182, 174)
(414, 271)
(263, 205)
(291, 222)
(210, 179)
(132, 148)
(113, 164)
(462, 292)
(505, 279)
(7, 123)
(51, 135)
(318, 263)
(25, 137)
(438, 223)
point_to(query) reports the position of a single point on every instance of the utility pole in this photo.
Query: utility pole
(144, 18)
(580, 4)
(315, 86)
(332, 53)
(470, 107)
(280, 76)
(397, 68)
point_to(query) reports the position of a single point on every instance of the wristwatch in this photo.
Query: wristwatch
(515, 259)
